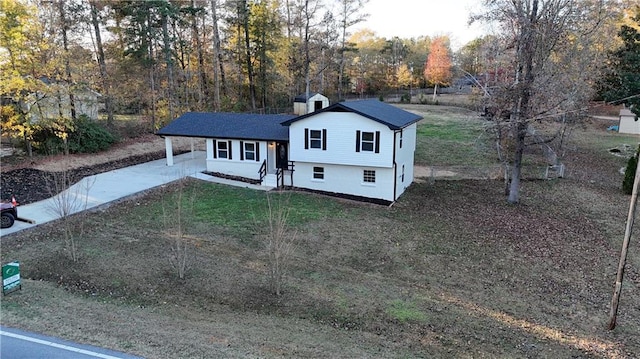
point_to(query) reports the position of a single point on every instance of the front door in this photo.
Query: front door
(282, 157)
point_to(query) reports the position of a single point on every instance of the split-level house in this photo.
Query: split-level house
(356, 148)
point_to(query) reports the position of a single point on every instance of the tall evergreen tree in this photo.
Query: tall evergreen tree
(622, 81)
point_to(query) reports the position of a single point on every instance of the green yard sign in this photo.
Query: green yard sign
(11, 277)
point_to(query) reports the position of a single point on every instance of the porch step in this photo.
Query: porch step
(270, 180)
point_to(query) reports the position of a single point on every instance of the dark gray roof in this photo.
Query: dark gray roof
(240, 126)
(391, 116)
(303, 97)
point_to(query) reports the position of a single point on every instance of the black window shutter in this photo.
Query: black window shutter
(324, 139)
(377, 141)
(257, 151)
(357, 141)
(230, 149)
(241, 150)
(306, 138)
(215, 149)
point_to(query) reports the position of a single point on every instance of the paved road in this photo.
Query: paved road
(19, 344)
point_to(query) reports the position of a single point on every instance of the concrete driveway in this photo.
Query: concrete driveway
(104, 188)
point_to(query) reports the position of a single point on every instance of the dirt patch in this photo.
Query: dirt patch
(423, 174)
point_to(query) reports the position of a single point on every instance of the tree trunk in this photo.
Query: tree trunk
(169, 62)
(435, 92)
(307, 58)
(101, 62)
(247, 44)
(516, 171)
(342, 51)
(218, 69)
(525, 73)
(204, 87)
(67, 66)
(152, 81)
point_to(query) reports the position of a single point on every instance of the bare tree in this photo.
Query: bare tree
(280, 240)
(66, 201)
(542, 82)
(177, 209)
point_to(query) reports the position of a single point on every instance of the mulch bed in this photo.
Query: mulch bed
(30, 185)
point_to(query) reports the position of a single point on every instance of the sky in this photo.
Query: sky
(413, 18)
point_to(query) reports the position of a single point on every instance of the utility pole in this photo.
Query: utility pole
(625, 246)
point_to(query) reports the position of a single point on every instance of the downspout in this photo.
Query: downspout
(395, 168)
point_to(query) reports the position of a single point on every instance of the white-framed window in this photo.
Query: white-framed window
(222, 149)
(315, 139)
(368, 141)
(401, 138)
(369, 176)
(402, 173)
(318, 173)
(249, 151)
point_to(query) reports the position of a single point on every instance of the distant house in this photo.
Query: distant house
(629, 122)
(53, 101)
(303, 105)
(359, 148)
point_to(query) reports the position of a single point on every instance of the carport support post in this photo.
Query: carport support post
(623, 256)
(168, 147)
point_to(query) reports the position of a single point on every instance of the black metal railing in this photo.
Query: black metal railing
(263, 170)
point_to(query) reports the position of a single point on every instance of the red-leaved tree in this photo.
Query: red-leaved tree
(437, 70)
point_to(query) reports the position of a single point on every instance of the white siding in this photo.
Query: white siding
(341, 140)
(318, 97)
(235, 166)
(345, 179)
(405, 156)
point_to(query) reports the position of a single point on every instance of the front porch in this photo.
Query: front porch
(232, 165)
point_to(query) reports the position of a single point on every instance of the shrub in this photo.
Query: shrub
(630, 173)
(84, 136)
(89, 137)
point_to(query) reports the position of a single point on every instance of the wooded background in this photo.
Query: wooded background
(544, 61)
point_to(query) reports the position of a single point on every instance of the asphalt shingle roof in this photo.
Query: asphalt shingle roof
(240, 126)
(303, 97)
(391, 116)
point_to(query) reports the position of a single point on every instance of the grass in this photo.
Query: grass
(244, 207)
(403, 312)
(451, 270)
(451, 136)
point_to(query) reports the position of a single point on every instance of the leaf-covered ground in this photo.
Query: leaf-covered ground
(449, 271)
